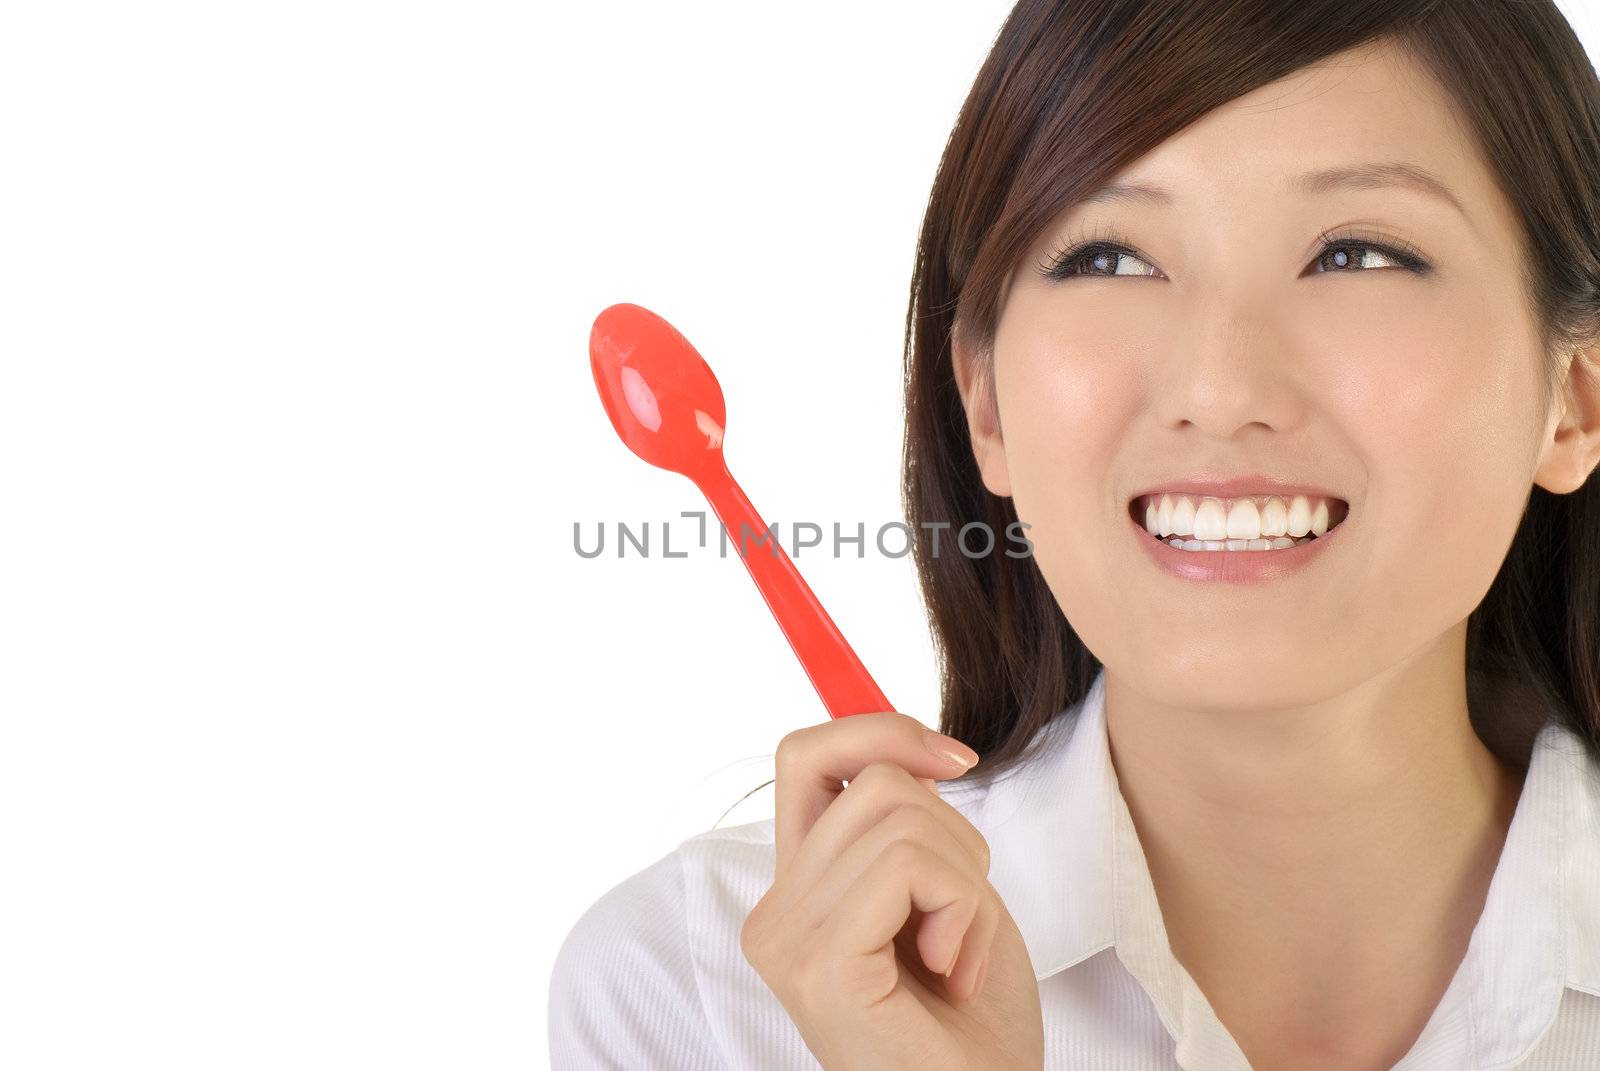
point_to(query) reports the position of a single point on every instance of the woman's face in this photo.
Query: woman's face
(1232, 339)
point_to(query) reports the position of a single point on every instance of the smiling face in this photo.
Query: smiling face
(1372, 337)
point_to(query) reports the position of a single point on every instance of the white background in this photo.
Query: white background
(316, 733)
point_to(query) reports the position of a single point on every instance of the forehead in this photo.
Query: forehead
(1377, 103)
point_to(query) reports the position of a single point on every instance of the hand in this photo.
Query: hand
(881, 935)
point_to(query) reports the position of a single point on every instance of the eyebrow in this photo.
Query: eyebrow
(1369, 176)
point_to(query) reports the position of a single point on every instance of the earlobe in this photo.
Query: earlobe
(1572, 451)
(975, 381)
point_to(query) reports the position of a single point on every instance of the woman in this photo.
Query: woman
(1290, 725)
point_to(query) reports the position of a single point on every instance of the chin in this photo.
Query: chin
(1223, 676)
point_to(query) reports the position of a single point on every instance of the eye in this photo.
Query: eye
(1356, 254)
(1097, 258)
(1108, 257)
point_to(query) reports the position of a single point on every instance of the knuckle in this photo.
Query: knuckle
(877, 775)
(907, 724)
(865, 977)
(970, 836)
(751, 935)
(902, 854)
(811, 973)
(760, 930)
(993, 909)
(981, 850)
(792, 750)
(910, 821)
(792, 741)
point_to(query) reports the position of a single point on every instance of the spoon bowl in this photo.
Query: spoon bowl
(660, 394)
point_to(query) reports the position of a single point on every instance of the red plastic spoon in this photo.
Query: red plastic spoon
(667, 406)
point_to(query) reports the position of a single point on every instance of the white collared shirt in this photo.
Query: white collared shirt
(652, 975)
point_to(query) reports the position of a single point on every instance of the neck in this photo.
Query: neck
(1300, 854)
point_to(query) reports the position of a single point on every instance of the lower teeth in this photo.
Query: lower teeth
(1277, 543)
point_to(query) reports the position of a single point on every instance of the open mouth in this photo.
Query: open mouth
(1246, 523)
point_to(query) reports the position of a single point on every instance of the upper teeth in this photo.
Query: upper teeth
(1235, 518)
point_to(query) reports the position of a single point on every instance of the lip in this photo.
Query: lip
(1236, 487)
(1234, 566)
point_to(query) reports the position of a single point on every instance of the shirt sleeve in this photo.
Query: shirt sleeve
(623, 993)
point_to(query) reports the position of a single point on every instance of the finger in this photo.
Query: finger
(870, 800)
(826, 893)
(904, 876)
(983, 974)
(976, 949)
(812, 764)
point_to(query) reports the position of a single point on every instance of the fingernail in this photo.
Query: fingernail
(952, 749)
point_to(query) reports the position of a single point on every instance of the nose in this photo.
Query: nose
(1229, 366)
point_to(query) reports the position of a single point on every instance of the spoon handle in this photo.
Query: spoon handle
(840, 679)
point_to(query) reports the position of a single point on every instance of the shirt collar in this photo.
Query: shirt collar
(1579, 854)
(1049, 824)
(1065, 858)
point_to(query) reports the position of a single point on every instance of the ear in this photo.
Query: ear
(974, 374)
(1572, 436)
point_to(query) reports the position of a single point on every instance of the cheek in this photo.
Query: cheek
(1065, 397)
(1440, 410)
(1065, 403)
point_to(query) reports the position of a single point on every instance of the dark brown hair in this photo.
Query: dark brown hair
(1075, 90)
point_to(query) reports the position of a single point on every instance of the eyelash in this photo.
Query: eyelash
(1402, 252)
